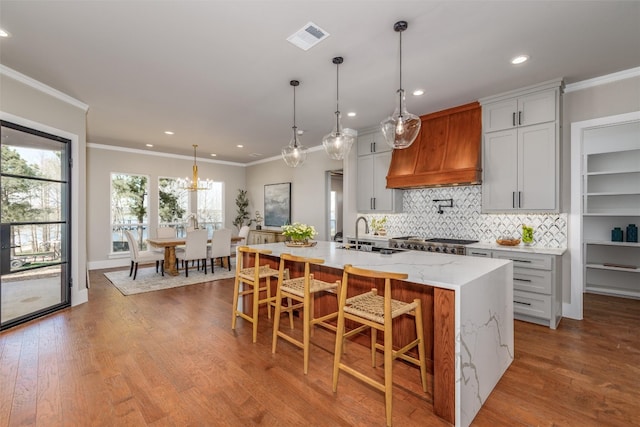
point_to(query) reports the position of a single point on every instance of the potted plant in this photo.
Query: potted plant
(242, 203)
(258, 220)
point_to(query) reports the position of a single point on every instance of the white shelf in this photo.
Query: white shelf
(612, 172)
(609, 243)
(611, 193)
(611, 291)
(606, 267)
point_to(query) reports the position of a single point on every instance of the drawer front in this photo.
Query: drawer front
(479, 253)
(530, 304)
(542, 262)
(532, 280)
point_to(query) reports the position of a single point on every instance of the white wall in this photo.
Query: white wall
(308, 187)
(103, 160)
(31, 104)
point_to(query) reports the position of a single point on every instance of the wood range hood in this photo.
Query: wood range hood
(445, 153)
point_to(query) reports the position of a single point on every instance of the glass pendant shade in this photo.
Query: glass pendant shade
(401, 128)
(295, 153)
(338, 143)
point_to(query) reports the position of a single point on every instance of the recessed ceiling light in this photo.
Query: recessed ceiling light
(149, 145)
(519, 59)
(418, 92)
(168, 132)
(4, 33)
(300, 131)
(240, 146)
(213, 154)
(351, 114)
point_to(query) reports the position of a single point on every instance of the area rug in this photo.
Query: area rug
(148, 280)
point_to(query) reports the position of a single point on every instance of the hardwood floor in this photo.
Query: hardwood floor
(169, 358)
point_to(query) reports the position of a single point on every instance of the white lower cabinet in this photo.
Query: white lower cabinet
(537, 285)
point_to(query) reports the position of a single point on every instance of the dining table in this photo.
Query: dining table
(169, 244)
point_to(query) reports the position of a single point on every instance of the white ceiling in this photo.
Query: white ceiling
(217, 72)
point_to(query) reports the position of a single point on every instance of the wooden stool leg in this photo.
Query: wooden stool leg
(276, 320)
(256, 305)
(337, 356)
(290, 313)
(306, 328)
(269, 301)
(234, 308)
(374, 340)
(388, 370)
(421, 350)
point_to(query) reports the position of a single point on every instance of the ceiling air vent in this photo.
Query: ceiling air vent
(308, 36)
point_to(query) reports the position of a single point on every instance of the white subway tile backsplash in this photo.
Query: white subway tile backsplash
(465, 221)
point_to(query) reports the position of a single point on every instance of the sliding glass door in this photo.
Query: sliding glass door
(34, 224)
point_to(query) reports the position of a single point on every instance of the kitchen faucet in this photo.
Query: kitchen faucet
(366, 229)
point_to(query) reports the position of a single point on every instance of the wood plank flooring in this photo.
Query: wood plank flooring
(169, 358)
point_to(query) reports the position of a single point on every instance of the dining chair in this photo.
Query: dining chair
(195, 249)
(377, 312)
(302, 290)
(165, 232)
(220, 247)
(243, 234)
(138, 256)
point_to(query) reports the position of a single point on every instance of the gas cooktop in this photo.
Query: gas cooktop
(448, 246)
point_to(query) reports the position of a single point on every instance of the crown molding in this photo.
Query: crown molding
(9, 72)
(597, 81)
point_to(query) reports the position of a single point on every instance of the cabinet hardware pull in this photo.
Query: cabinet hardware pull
(519, 199)
(513, 198)
(513, 118)
(522, 280)
(522, 260)
(519, 117)
(371, 147)
(478, 253)
(522, 303)
(374, 146)
(374, 203)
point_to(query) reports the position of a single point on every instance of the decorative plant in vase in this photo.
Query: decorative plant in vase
(299, 233)
(378, 224)
(258, 220)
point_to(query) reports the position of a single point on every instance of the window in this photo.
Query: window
(173, 203)
(332, 215)
(129, 209)
(210, 209)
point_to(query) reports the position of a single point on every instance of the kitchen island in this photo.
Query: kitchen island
(468, 316)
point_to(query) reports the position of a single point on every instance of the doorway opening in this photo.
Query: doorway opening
(334, 182)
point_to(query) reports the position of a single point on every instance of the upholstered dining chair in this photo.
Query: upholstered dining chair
(138, 256)
(220, 247)
(243, 234)
(195, 249)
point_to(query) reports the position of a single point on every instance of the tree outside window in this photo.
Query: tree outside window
(210, 209)
(173, 202)
(129, 209)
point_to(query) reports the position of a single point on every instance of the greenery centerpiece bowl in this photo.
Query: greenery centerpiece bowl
(299, 233)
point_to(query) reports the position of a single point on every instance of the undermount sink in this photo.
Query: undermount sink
(369, 248)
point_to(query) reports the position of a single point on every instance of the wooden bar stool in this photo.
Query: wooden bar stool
(301, 290)
(377, 313)
(251, 276)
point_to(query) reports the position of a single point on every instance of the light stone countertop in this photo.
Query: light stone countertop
(519, 248)
(439, 270)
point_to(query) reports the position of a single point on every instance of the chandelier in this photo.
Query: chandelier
(294, 154)
(194, 183)
(338, 143)
(401, 128)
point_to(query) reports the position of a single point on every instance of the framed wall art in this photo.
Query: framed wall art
(277, 204)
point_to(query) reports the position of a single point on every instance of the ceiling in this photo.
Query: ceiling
(217, 72)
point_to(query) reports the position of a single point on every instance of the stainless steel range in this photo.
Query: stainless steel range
(445, 246)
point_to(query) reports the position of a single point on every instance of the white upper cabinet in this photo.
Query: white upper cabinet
(374, 158)
(521, 150)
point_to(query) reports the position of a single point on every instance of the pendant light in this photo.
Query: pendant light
(338, 143)
(294, 154)
(194, 184)
(401, 128)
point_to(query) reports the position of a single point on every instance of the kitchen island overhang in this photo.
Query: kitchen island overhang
(471, 322)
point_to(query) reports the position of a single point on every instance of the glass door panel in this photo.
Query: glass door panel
(34, 231)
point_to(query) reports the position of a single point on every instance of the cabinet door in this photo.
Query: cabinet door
(537, 170)
(500, 171)
(383, 197)
(365, 144)
(379, 144)
(537, 108)
(499, 115)
(364, 189)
